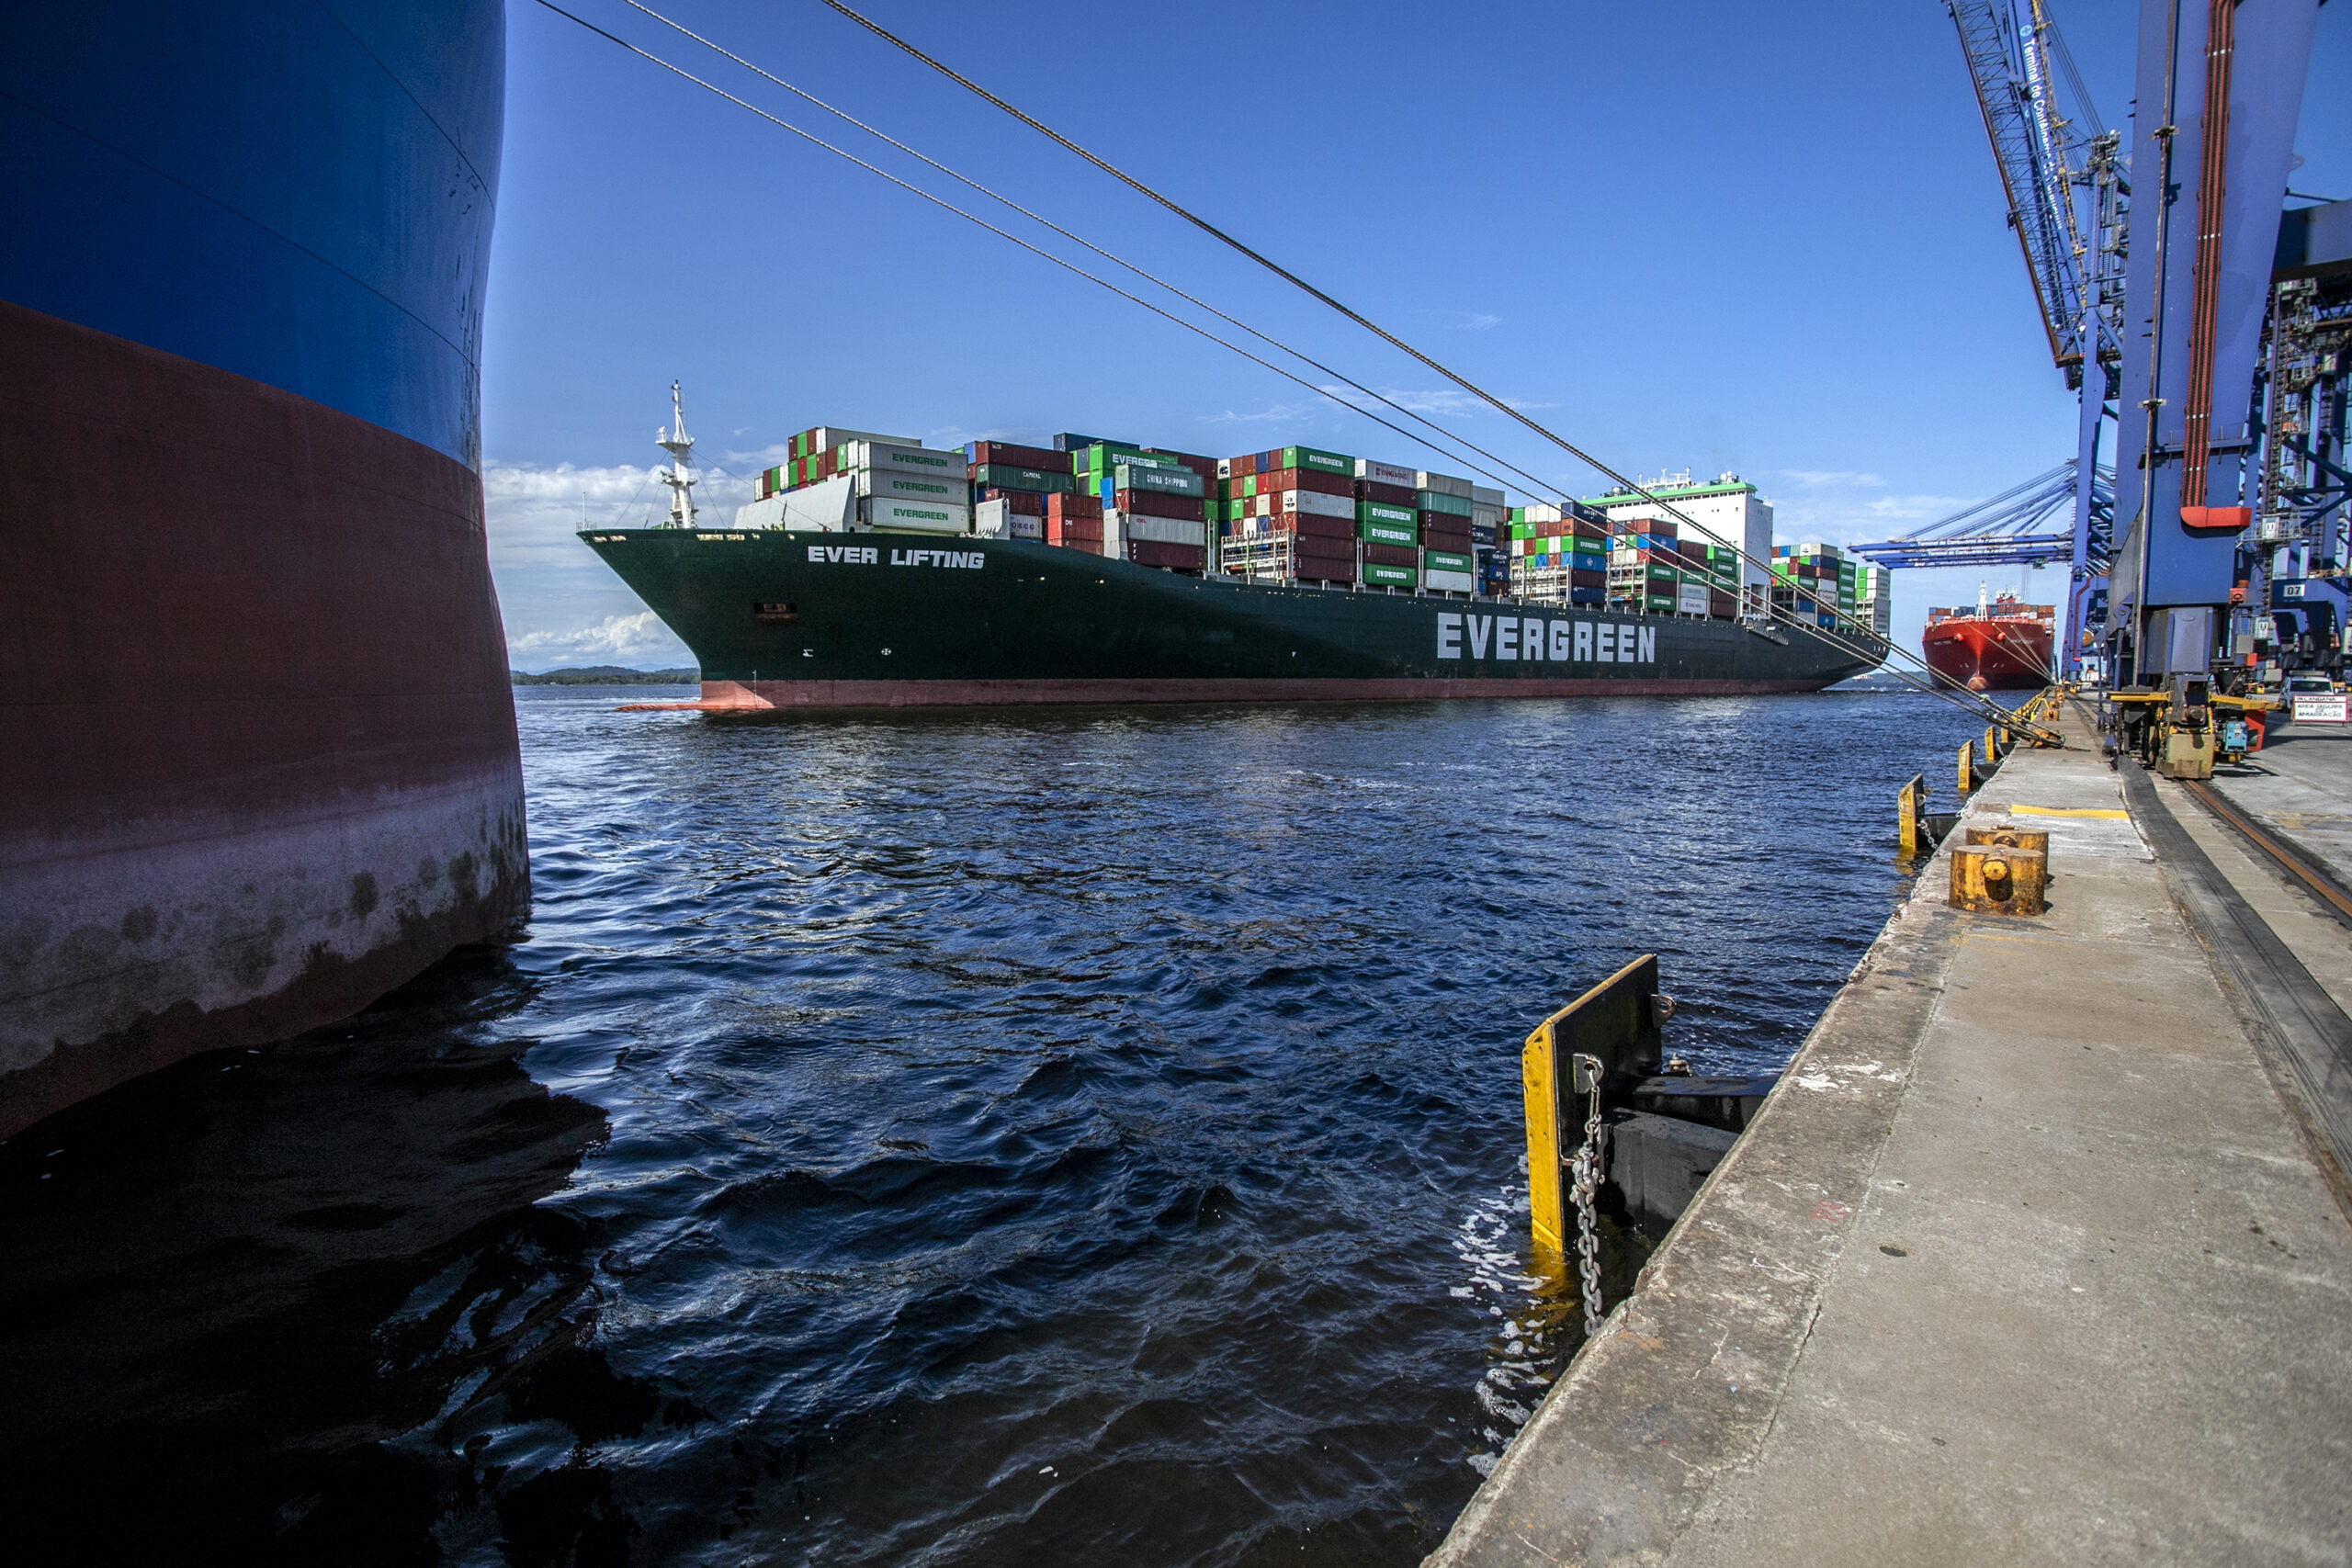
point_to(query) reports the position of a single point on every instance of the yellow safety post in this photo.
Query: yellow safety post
(1539, 1079)
(1907, 803)
(1992, 755)
(1967, 768)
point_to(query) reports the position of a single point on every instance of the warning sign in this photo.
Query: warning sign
(2314, 709)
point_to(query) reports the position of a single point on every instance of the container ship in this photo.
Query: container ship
(871, 571)
(262, 763)
(2000, 646)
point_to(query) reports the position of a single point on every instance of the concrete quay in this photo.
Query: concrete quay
(2038, 1254)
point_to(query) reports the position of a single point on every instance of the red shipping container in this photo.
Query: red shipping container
(1580, 579)
(1392, 555)
(1317, 524)
(1064, 503)
(1204, 467)
(1241, 466)
(1150, 503)
(1722, 606)
(1061, 530)
(1156, 552)
(1457, 544)
(1323, 546)
(1018, 456)
(1313, 569)
(1025, 502)
(1279, 479)
(1395, 495)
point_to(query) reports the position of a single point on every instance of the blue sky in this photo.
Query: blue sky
(1692, 235)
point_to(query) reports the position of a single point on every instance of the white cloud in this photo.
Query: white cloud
(1278, 412)
(1472, 320)
(640, 639)
(560, 603)
(1819, 478)
(1449, 401)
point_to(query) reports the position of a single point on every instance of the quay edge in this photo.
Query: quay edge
(2026, 1261)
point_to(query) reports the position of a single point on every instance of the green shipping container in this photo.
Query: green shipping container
(1382, 511)
(1388, 533)
(1452, 505)
(1660, 600)
(1104, 456)
(1380, 576)
(1444, 560)
(1320, 462)
(1154, 478)
(1005, 476)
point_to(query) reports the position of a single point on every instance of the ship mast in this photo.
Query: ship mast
(678, 444)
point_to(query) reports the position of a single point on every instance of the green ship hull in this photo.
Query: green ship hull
(793, 619)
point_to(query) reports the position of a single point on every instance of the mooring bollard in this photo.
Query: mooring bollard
(2001, 870)
(1967, 767)
(1911, 816)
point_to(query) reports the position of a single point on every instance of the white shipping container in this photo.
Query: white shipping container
(897, 484)
(1485, 516)
(1027, 528)
(915, 517)
(1166, 530)
(906, 457)
(829, 507)
(831, 435)
(1450, 581)
(1383, 473)
(1480, 495)
(993, 519)
(1315, 503)
(1444, 484)
(1542, 512)
(1692, 599)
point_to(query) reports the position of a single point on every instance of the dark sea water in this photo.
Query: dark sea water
(1003, 1138)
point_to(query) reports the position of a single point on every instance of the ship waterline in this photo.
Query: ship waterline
(782, 619)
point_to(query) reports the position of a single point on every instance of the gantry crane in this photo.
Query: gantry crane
(2211, 336)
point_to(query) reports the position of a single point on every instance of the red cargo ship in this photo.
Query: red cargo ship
(2001, 646)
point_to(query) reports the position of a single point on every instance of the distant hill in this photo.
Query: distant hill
(606, 675)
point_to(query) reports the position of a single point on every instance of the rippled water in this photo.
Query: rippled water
(939, 1138)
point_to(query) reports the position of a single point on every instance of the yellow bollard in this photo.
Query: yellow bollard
(1967, 768)
(1991, 754)
(1909, 802)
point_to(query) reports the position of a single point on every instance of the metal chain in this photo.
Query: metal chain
(1584, 1172)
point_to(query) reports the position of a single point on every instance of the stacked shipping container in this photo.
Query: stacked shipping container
(1296, 514)
(879, 481)
(1557, 555)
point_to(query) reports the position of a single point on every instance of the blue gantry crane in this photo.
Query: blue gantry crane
(2027, 524)
(2065, 181)
(2207, 327)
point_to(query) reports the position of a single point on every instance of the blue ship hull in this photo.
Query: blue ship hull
(263, 764)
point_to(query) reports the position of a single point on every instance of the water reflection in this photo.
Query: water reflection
(239, 1288)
